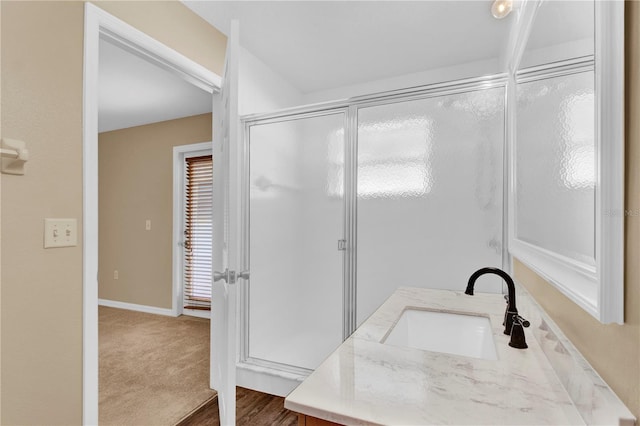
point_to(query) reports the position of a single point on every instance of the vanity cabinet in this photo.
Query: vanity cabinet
(304, 420)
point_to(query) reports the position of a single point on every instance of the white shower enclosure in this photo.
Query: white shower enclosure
(345, 202)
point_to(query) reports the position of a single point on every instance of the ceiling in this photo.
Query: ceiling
(319, 45)
(314, 45)
(133, 92)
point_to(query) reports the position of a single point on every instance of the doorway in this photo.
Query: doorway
(153, 365)
(99, 24)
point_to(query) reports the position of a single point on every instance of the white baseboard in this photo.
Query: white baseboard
(136, 307)
(266, 380)
(196, 313)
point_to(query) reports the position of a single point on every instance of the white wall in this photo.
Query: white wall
(261, 89)
(438, 75)
(558, 52)
(264, 90)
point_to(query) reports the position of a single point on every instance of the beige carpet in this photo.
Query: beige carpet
(154, 370)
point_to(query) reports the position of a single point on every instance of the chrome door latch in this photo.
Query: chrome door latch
(230, 277)
(342, 245)
(227, 276)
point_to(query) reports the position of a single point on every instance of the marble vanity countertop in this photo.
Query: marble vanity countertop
(367, 382)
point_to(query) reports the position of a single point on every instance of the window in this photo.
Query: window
(198, 206)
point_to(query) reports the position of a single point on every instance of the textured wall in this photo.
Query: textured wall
(613, 350)
(42, 289)
(135, 184)
(41, 311)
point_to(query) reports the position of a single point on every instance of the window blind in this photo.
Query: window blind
(198, 232)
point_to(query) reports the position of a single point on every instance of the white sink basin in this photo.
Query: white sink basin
(466, 335)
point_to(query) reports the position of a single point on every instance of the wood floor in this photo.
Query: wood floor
(252, 409)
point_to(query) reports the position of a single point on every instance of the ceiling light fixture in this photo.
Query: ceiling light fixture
(501, 8)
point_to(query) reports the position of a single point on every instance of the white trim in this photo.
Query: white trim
(510, 118)
(556, 69)
(419, 92)
(201, 146)
(97, 22)
(267, 380)
(197, 313)
(506, 258)
(90, 218)
(176, 250)
(149, 49)
(610, 149)
(575, 280)
(135, 307)
(598, 288)
(179, 153)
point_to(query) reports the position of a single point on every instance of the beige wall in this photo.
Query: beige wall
(41, 304)
(136, 184)
(173, 24)
(42, 289)
(0, 221)
(613, 350)
(41, 311)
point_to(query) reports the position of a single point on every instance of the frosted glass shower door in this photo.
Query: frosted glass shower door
(430, 194)
(296, 204)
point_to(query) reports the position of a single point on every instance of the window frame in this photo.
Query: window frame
(179, 175)
(599, 290)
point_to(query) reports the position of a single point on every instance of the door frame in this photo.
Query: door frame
(181, 152)
(97, 24)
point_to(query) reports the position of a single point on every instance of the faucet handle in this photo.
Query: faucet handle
(509, 317)
(507, 330)
(518, 340)
(523, 322)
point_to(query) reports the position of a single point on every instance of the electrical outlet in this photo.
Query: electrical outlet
(115, 274)
(147, 225)
(60, 233)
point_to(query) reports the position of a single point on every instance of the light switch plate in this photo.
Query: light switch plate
(60, 233)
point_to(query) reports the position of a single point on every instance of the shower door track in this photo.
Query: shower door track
(350, 108)
(418, 92)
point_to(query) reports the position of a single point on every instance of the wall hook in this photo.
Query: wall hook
(14, 155)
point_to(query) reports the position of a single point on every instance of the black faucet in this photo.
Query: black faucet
(513, 323)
